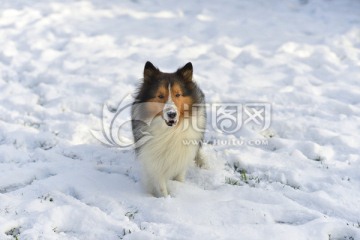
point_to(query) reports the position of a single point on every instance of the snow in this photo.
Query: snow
(61, 61)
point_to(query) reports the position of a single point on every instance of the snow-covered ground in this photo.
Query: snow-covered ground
(60, 61)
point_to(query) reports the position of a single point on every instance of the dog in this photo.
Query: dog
(169, 108)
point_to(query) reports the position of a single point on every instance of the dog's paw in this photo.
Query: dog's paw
(201, 163)
(204, 165)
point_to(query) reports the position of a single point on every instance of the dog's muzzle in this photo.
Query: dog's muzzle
(170, 114)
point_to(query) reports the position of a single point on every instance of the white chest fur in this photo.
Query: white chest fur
(165, 156)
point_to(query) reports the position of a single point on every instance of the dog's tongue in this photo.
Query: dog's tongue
(170, 123)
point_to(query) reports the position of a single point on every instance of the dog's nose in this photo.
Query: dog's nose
(171, 114)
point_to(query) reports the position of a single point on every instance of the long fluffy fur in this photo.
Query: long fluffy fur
(165, 156)
(162, 151)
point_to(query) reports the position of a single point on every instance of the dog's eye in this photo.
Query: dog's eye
(178, 95)
(161, 96)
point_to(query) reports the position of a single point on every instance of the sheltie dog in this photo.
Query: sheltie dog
(168, 110)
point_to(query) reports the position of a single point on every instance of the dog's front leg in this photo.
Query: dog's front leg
(162, 183)
(199, 159)
(180, 177)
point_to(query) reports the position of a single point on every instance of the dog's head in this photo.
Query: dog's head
(167, 95)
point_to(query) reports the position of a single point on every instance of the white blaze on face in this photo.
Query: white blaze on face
(170, 113)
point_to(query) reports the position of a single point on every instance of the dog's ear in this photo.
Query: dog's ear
(150, 71)
(186, 72)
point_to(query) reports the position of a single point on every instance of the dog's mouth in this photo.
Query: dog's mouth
(171, 123)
